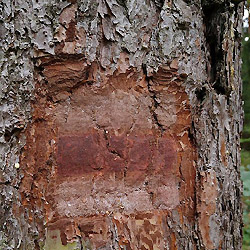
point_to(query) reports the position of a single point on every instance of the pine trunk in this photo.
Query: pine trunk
(120, 124)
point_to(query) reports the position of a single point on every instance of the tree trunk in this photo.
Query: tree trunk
(120, 124)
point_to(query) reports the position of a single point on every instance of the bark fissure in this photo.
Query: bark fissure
(155, 104)
(215, 17)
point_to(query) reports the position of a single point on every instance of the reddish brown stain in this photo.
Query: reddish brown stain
(70, 32)
(118, 144)
(92, 153)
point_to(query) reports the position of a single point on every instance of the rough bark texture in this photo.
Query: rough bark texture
(120, 124)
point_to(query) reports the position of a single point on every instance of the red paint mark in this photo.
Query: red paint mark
(164, 154)
(84, 154)
(88, 153)
(140, 153)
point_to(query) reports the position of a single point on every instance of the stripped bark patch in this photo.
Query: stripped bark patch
(120, 147)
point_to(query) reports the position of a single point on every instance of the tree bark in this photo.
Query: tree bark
(120, 124)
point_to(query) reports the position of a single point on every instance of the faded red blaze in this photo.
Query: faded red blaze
(78, 155)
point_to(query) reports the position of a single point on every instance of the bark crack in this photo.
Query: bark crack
(108, 146)
(153, 97)
(214, 20)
